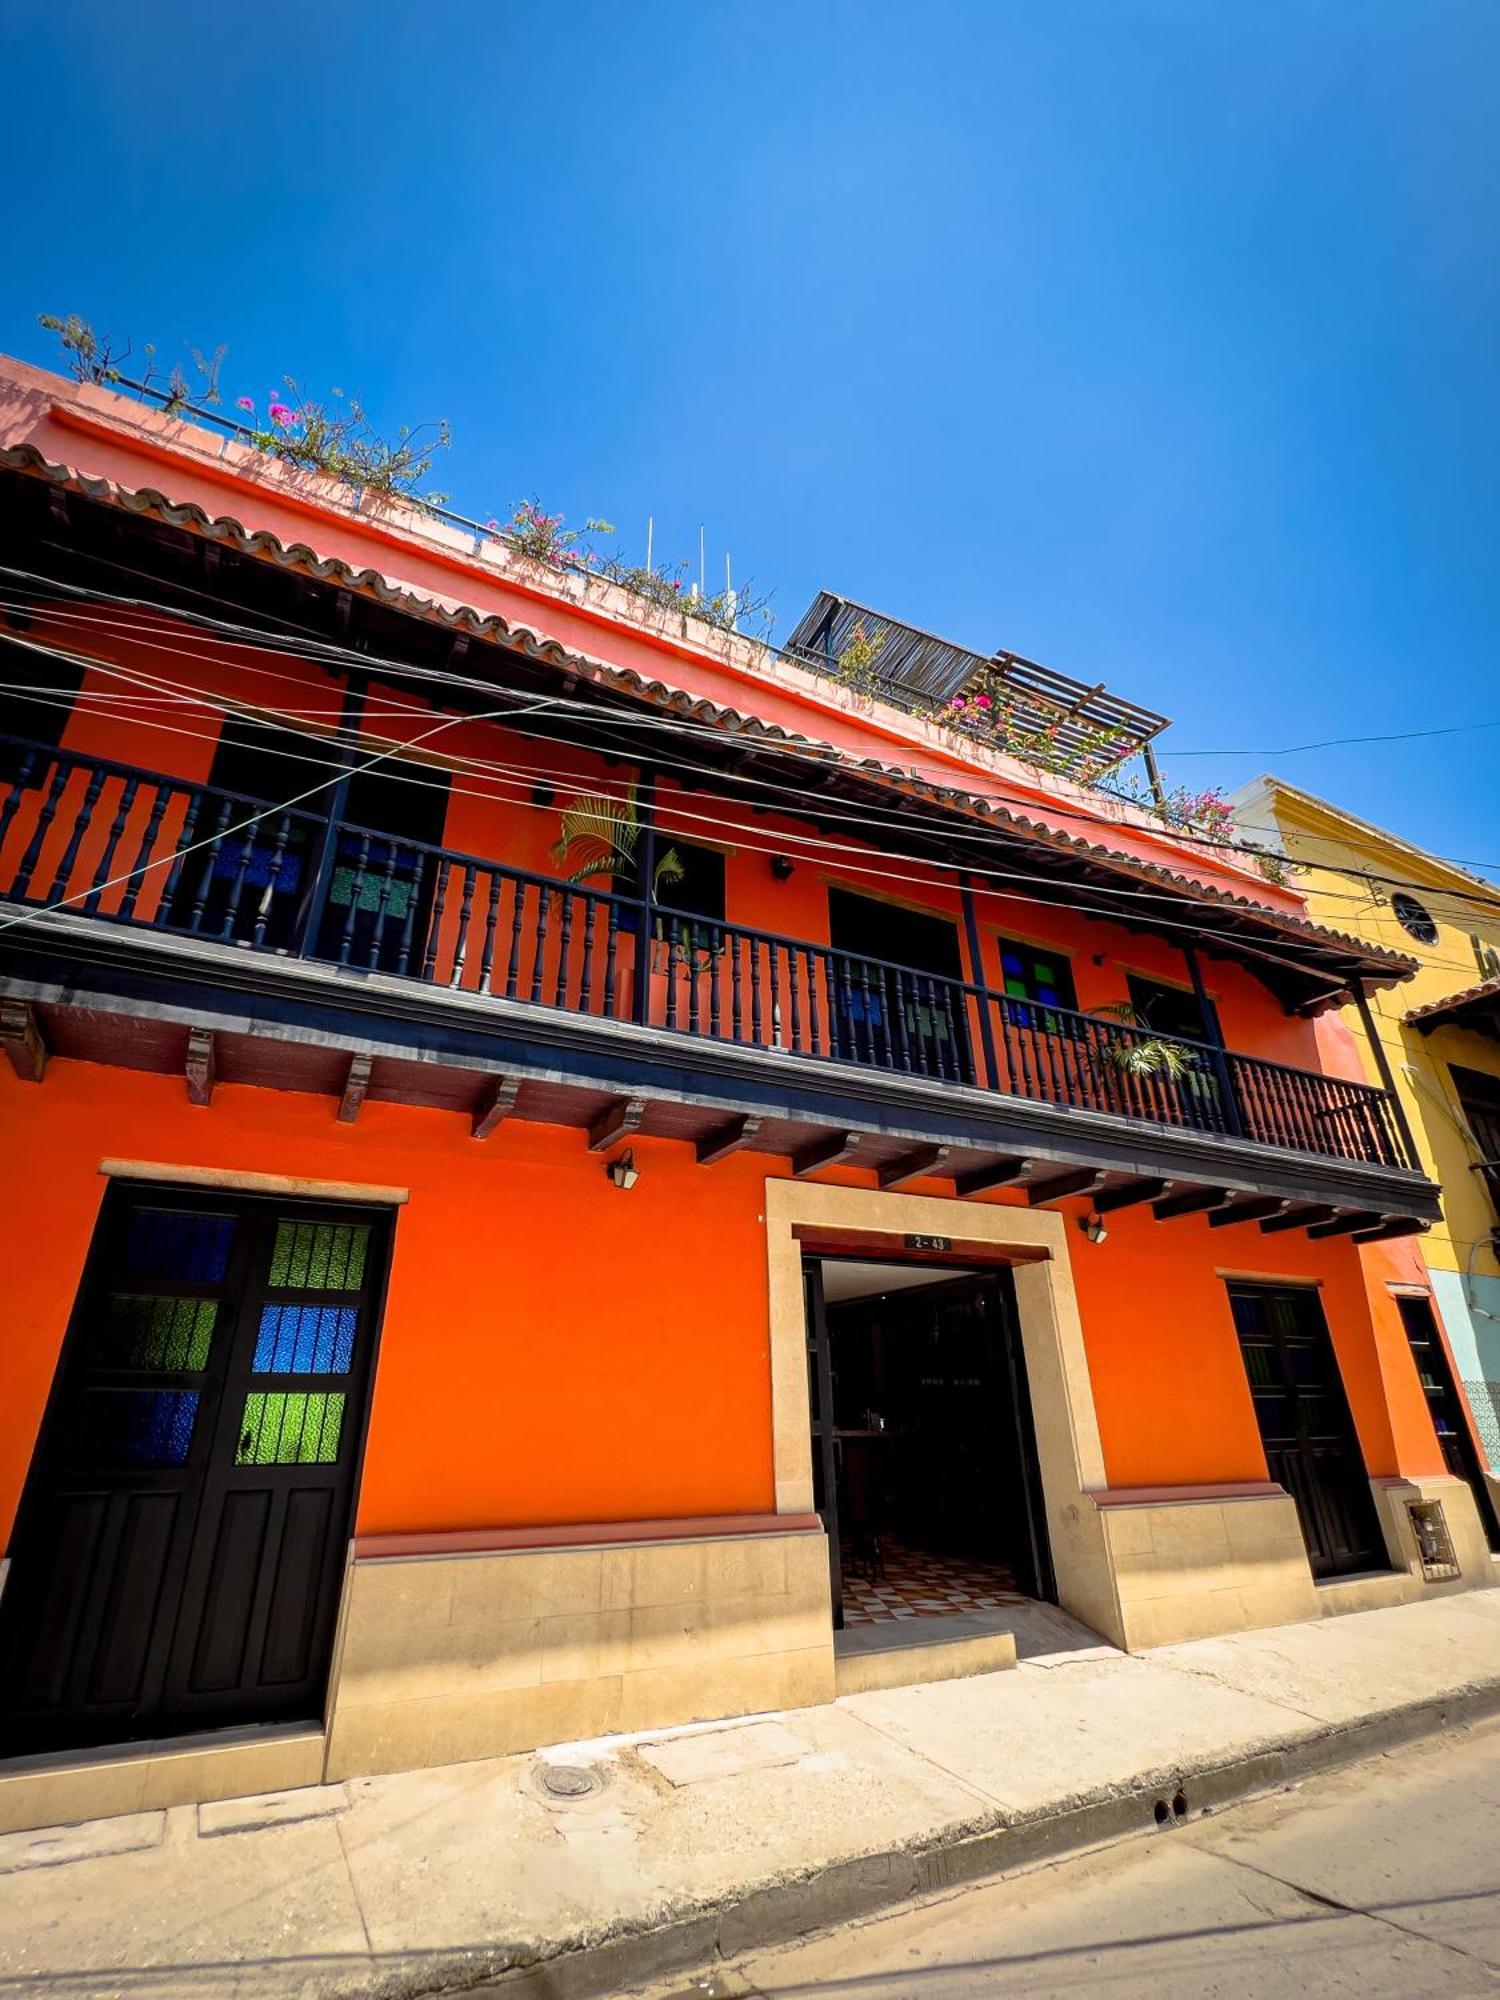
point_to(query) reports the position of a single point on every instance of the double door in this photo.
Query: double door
(1445, 1401)
(1306, 1425)
(181, 1538)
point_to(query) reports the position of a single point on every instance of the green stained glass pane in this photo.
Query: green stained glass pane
(144, 1332)
(320, 1256)
(1042, 973)
(290, 1429)
(1016, 988)
(375, 893)
(1259, 1364)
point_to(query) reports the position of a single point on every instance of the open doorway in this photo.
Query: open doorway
(924, 1456)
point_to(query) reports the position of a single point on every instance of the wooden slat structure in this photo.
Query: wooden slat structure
(916, 668)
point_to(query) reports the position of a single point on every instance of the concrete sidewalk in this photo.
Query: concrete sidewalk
(606, 1862)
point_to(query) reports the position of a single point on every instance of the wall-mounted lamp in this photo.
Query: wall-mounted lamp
(623, 1171)
(1094, 1227)
(782, 867)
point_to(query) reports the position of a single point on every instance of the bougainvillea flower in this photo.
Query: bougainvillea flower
(283, 414)
(244, 403)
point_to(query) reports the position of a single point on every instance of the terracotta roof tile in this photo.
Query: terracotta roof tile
(1376, 962)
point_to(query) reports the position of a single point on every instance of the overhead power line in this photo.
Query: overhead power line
(807, 846)
(348, 659)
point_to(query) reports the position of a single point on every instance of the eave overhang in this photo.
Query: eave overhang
(1309, 966)
(1476, 1008)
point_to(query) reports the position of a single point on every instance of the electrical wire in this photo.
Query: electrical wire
(1344, 742)
(525, 777)
(882, 872)
(310, 646)
(199, 698)
(528, 774)
(879, 872)
(223, 832)
(364, 662)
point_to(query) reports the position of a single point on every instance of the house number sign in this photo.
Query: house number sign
(929, 1242)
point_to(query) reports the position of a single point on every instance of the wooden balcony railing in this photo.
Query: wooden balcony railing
(134, 847)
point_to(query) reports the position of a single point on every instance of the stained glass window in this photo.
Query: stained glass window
(1039, 976)
(167, 1334)
(172, 1243)
(131, 1429)
(305, 1340)
(280, 1429)
(319, 1256)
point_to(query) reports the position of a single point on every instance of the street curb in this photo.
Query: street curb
(869, 1884)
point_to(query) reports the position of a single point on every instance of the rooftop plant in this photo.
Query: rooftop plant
(334, 437)
(989, 711)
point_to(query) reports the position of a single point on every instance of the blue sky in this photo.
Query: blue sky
(1152, 338)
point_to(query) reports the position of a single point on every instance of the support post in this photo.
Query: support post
(335, 804)
(1153, 774)
(1215, 1035)
(1382, 1063)
(978, 980)
(645, 851)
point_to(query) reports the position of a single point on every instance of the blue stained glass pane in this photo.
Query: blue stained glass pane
(136, 1428)
(167, 1243)
(263, 867)
(304, 1340)
(1050, 995)
(1011, 962)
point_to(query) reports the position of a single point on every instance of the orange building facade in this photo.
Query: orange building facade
(459, 1303)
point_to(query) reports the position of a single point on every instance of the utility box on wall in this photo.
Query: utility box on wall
(1434, 1543)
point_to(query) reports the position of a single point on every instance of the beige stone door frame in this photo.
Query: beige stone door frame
(1068, 1451)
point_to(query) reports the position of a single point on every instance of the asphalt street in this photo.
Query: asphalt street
(1382, 1879)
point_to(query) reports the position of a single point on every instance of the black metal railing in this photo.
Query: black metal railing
(135, 847)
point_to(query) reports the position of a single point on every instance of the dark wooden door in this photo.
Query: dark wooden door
(820, 1405)
(1444, 1400)
(1306, 1426)
(181, 1539)
(895, 993)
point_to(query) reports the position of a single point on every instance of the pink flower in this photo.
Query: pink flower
(283, 414)
(982, 701)
(244, 403)
(492, 527)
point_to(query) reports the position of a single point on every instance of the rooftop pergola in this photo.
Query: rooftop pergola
(917, 669)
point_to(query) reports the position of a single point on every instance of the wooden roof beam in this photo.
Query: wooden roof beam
(23, 1040)
(1358, 1219)
(1109, 1199)
(1192, 1201)
(1077, 1180)
(494, 1104)
(727, 1138)
(999, 1173)
(828, 1152)
(356, 1084)
(912, 1166)
(1296, 1217)
(1395, 1225)
(1255, 1208)
(616, 1121)
(201, 1066)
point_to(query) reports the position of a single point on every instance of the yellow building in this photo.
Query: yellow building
(1440, 1035)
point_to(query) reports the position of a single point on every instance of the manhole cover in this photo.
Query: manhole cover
(568, 1781)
